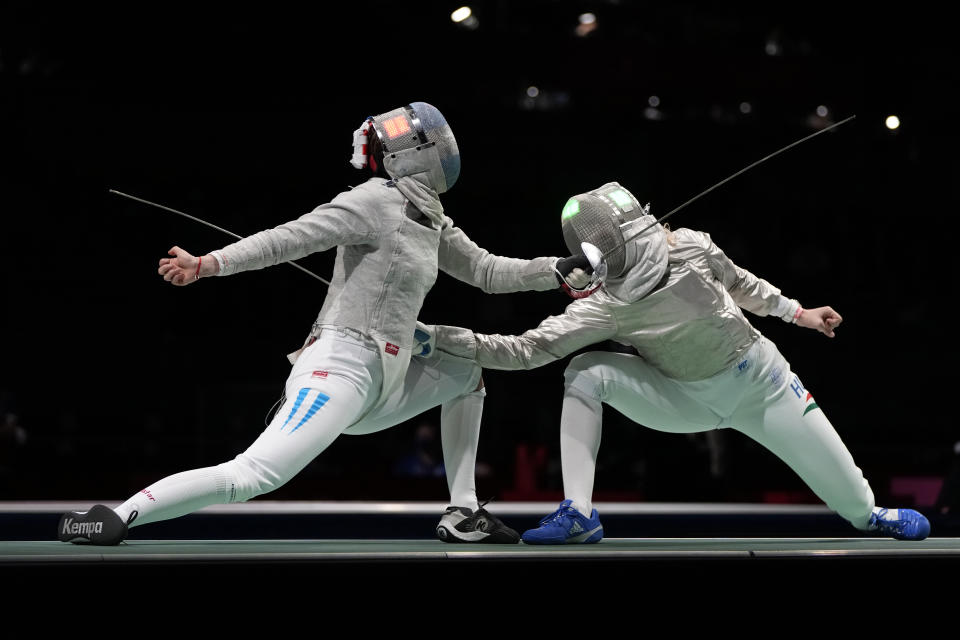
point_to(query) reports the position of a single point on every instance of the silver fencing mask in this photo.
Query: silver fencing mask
(416, 139)
(603, 218)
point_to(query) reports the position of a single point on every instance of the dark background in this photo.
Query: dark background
(111, 378)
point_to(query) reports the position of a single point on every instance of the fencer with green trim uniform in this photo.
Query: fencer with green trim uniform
(678, 300)
(354, 374)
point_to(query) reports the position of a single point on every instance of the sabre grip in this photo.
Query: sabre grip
(573, 271)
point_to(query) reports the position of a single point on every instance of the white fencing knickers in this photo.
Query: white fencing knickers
(330, 390)
(759, 397)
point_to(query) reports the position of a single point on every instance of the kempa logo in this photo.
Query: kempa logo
(81, 528)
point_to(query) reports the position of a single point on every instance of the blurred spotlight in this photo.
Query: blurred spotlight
(28, 66)
(534, 98)
(653, 101)
(892, 122)
(820, 118)
(652, 113)
(772, 48)
(465, 18)
(745, 108)
(588, 22)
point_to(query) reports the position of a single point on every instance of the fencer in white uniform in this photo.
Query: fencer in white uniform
(354, 374)
(677, 299)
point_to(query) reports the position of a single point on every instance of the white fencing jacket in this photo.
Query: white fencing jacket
(388, 254)
(690, 326)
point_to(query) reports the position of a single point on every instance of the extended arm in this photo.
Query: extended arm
(582, 324)
(348, 219)
(464, 260)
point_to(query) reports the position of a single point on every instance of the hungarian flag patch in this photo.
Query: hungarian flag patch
(811, 404)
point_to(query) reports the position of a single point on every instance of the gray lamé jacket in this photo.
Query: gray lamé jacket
(689, 324)
(388, 254)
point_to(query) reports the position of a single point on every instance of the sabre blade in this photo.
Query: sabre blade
(724, 181)
(179, 213)
(209, 224)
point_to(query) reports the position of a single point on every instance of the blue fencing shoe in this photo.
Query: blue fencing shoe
(902, 524)
(566, 525)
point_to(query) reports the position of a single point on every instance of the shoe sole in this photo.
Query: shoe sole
(592, 537)
(923, 531)
(99, 526)
(475, 537)
(492, 531)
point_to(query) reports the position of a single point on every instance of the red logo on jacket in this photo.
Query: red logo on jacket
(392, 349)
(319, 374)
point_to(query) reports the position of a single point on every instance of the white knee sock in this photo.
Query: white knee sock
(177, 495)
(580, 429)
(460, 434)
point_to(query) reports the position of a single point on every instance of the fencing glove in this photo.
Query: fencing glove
(424, 341)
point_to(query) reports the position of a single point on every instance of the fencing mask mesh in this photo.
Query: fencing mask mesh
(416, 139)
(598, 217)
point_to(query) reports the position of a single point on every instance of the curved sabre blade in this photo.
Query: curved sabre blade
(211, 225)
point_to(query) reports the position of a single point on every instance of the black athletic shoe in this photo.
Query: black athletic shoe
(100, 525)
(460, 524)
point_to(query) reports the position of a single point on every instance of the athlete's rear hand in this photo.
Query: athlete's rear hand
(181, 269)
(823, 319)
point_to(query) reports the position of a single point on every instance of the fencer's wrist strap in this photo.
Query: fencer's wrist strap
(196, 275)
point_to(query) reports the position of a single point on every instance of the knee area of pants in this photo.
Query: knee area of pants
(591, 362)
(247, 479)
(458, 371)
(584, 375)
(473, 377)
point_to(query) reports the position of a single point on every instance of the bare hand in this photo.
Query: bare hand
(823, 319)
(180, 270)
